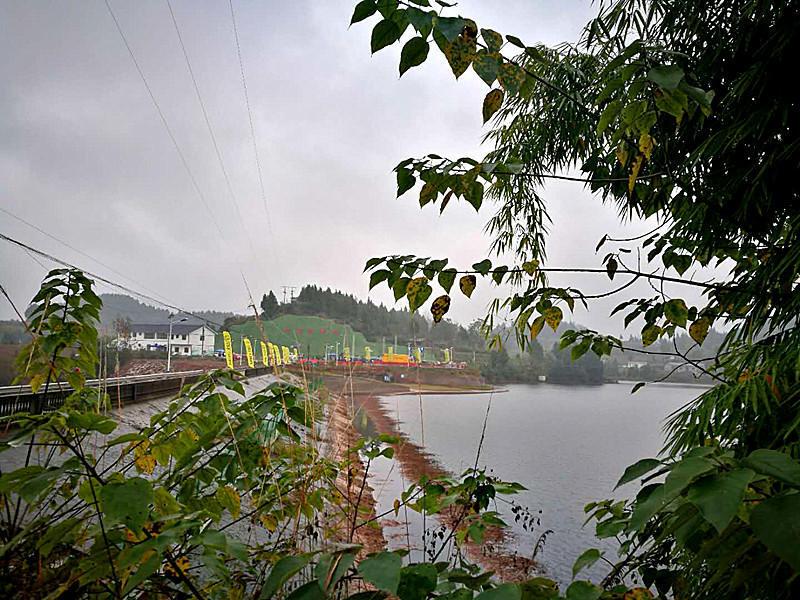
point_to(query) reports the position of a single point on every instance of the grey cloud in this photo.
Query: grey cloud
(85, 156)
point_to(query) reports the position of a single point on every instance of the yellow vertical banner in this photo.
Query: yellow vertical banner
(347, 353)
(248, 349)
(228, 349)
(391, 351)
(287, 358)
(367, 352)
(273, 356)
(264, 355)
(296, 355)
(447, 355)
(418, 355)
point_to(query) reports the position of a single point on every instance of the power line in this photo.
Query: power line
(250, 117)
(119, 286)
(73, 248)
(164, 121)
(167, 127)
(211, 134)
(30, 249)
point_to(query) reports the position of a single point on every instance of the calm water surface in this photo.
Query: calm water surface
(567, 445)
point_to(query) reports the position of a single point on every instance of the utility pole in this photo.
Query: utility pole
(291, 289)
(169, 339)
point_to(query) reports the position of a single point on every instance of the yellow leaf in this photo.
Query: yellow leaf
(638, 594)
(637, 164)
(646, 144)
(511, 77)
(237, 593)
(140, 448)
(131, 537)
(699, 329)
(460, 53)
(530, 267)
(229, 499)
(182, 564)
(467, 284)
(37, 381)
(396, 507)
(492, 103)
(270, 522)
(427, 193)
(650, 334)
(439, 307)
(145, 464)
(536, 327)
(622, 156)
(552, 316)
(417, 292)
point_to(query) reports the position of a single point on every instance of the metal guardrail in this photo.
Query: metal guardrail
(14, 390)
(121, 390)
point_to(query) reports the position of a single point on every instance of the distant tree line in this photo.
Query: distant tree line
(375, 321)
(557, 366)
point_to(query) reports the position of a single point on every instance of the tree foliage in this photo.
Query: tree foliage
(377, 321)
(678, 111)
(269, 305)
(226, 493)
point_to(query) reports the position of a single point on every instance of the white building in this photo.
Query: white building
(187, 339)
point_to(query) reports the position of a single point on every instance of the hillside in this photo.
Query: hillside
(377, 321)
(309, 333)
(120, 305)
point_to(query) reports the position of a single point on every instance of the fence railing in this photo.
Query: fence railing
(121, 390)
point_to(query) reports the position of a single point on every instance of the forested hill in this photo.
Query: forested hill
(373, 320)
(124, 307)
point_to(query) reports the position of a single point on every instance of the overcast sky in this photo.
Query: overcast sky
(85, 156)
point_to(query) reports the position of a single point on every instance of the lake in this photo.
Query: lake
(567, 445)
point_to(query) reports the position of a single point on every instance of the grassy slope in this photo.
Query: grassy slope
(276, 331)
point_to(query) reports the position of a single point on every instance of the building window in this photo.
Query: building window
(149, 336)
(162, 336)
(183, 337)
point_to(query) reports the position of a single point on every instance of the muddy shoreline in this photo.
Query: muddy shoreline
(351, 396)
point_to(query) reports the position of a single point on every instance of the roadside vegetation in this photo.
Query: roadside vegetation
(677, 111)
(674, 111)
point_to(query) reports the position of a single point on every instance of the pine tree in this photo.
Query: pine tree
(269, 305)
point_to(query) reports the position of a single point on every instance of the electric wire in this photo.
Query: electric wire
(167, 127)
(74, 249)
(211, 134)
(128, 290)
(164, 121)
(250, 117)
(105, 280)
